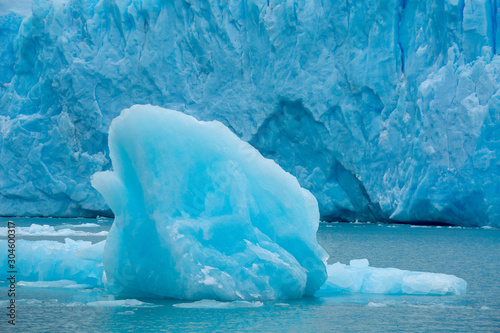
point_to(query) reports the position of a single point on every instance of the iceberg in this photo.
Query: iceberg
(359, 277)
(200, 214)
(384, 110)
(41, 261)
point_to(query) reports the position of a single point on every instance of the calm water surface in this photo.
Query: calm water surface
(470, 253)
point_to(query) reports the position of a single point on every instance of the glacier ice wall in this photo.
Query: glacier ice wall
(384, 110)
(200, 214)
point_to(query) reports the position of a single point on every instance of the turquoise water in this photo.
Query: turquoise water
(469, 253)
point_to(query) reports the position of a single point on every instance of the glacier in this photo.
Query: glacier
(385, 111)
(201, 214)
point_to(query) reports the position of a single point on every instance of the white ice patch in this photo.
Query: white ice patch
(83, 225)
(211, 304)
(52, 284)
(360, 278)
(376, 305)
(121, 303)
(47, 230)
(124, 303)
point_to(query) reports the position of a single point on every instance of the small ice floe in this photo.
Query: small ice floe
(376, 305)
(47, 230)
(127, 303)
(52, 284)
(212, 304)
(84, 225)
(439, 306)
(359, 277)
(126, 313)
(124, 303)
(47, 261)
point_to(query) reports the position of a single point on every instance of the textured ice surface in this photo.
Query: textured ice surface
(78, 261)
(200, 214)
(359, 277)
(382, 109)
(212, 304)
(47, 230)
(126, 303)
(52, 284)
(120, 303)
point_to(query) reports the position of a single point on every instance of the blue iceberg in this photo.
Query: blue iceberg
(200, 214)
(77, 261)
(359, 277)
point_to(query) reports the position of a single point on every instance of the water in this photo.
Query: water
(470, 253)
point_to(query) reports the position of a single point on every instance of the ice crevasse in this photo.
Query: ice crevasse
(385, 111)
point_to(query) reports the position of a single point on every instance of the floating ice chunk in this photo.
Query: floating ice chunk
(52, 284)
(212, 304)
(126, 313)
(200, 214)
(47, 230)
(376, 305)
(125, 303)
(121, 303)
(83, 225)
(53, 261)
(359, 263)
(364, 279)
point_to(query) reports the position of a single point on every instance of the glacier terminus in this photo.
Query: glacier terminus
(397, 101)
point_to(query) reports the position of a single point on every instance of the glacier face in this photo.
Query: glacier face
(200, 214)
(383, 110)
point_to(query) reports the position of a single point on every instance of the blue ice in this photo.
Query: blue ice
(359, 277)
(200, 214)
